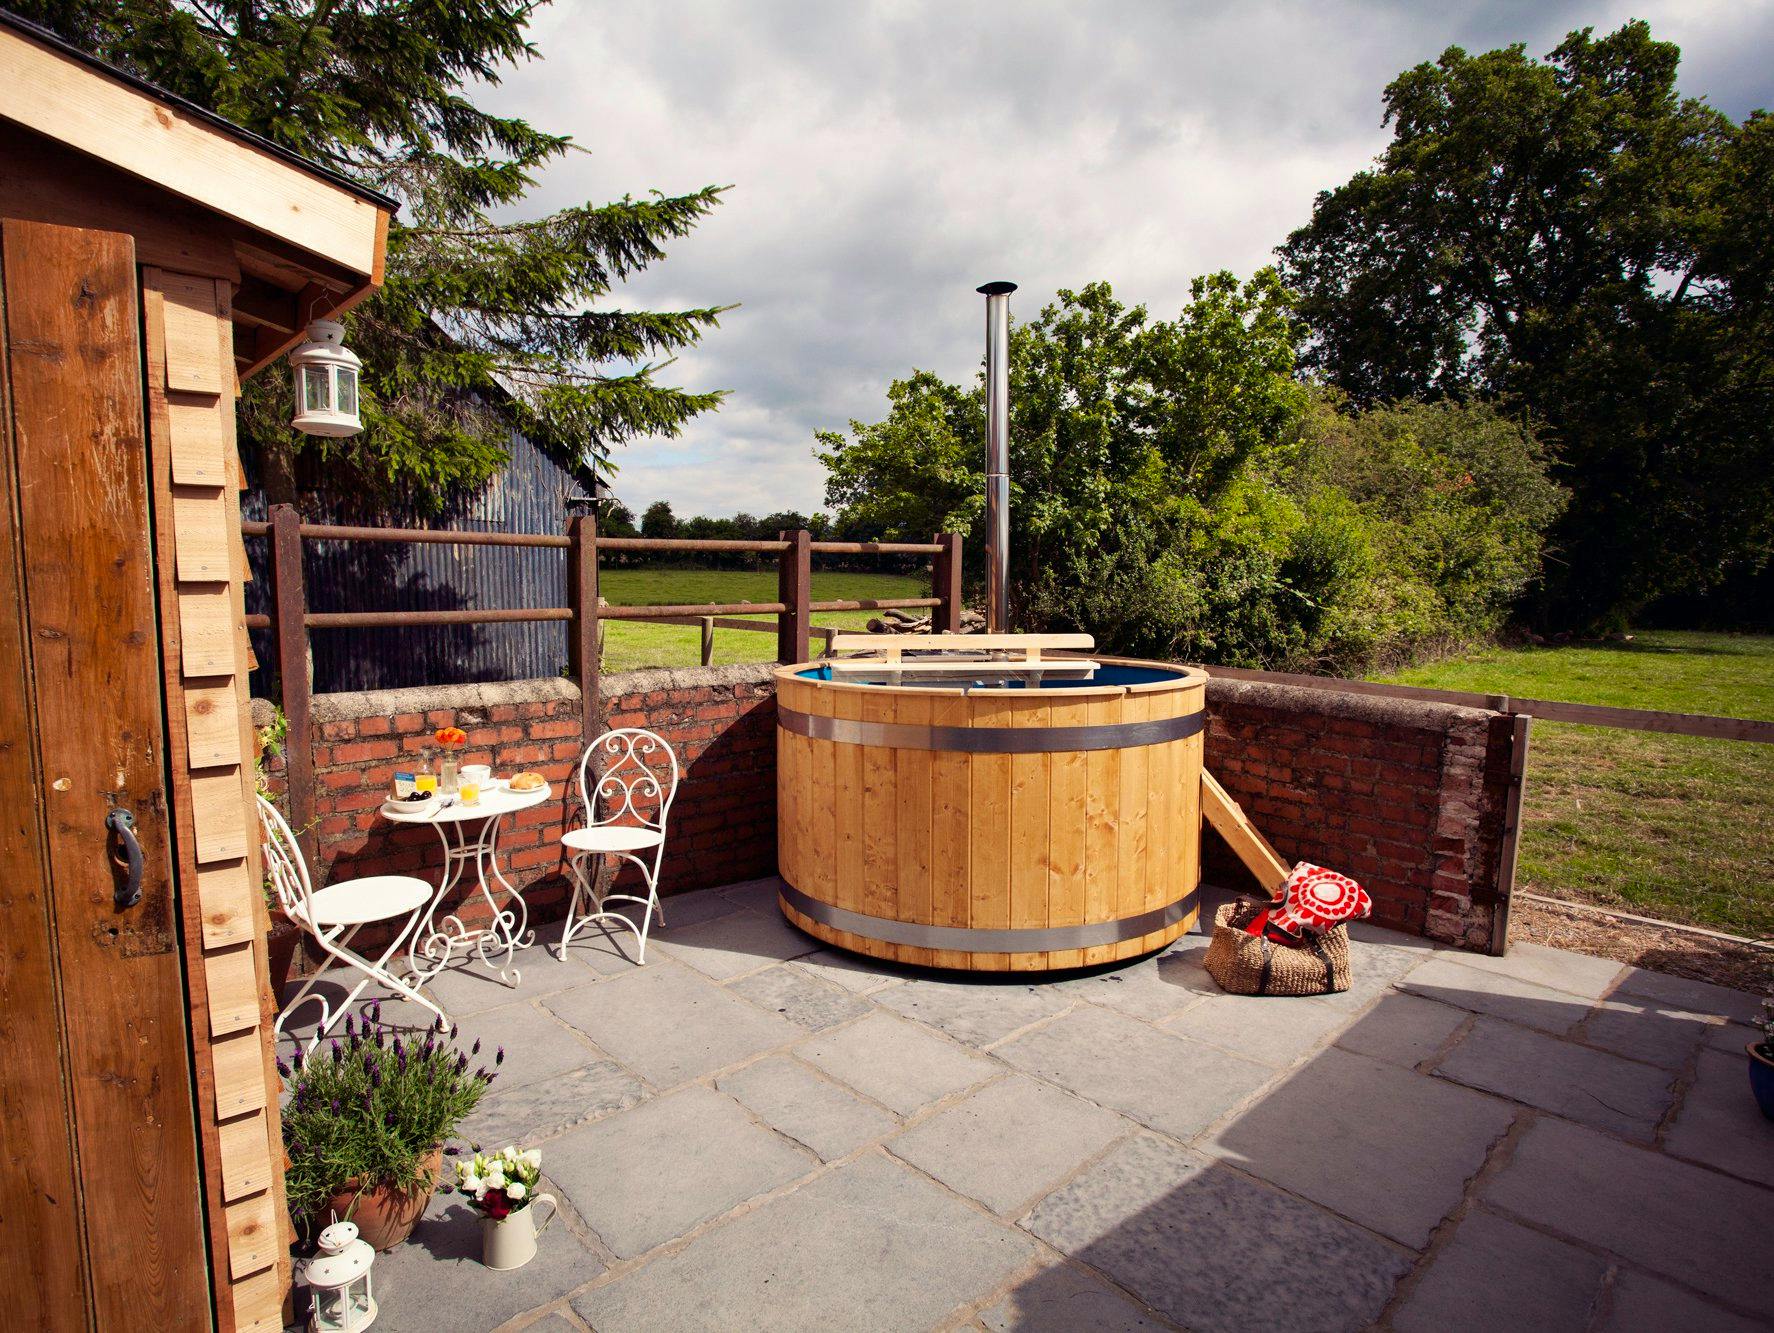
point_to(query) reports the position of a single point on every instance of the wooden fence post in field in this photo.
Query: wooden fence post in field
(794, 584)
(582, 636)
(289, 592)
(945, 582)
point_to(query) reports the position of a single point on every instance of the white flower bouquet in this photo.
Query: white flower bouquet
(502, 1183)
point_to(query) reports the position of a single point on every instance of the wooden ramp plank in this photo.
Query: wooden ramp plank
(1232, 824)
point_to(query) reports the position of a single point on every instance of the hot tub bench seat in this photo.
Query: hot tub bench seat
(992, 829)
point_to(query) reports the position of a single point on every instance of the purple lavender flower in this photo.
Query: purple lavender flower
(400, 1056)
(475, 1049)
(299, 1059)
(499, 1059)
(375, 1078)
(350, 1026)
(461, 1062)
(452, 1151)
(335, 1106)
(282, 1068)
(338, 1051)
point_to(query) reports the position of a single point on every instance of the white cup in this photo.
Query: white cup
(477, 772)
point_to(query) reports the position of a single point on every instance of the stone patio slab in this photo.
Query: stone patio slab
(1496, 993)
(1730, 1037)
(901, 1065)
(645, 1176)
(1497, 1274)
(1686, 1222)
(670, 1025)
(692, 909)
(1276, 1030)
(1388, 1148)
(1374, 969)
(537, 1111)
(1647, 1030)
(801, 999)
(1644, 1304)
(1139, 989)
(760, 895)
(1403, 1029)
(537, 1045)
(1576, 974)
(468, 986)
(870, 1245)
(1010, 1142)
(1189, 1236)
(812, 1111)
(1594, 1087)
(1168, 1082)
(853, 971)
(1720, 1124)
(976, 1012)
(732, 945)
(1063, 1299)
(438, 1282)
(1699, 997)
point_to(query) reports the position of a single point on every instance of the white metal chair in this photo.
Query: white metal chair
(640, 774)
(333, 915)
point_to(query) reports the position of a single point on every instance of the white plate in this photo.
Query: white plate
(425, 807)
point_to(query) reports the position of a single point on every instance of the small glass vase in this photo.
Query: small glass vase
(449, 776)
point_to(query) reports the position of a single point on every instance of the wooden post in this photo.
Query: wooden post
(582, 638)
(1518, 781)
(289, 614)
(794, 589)
(945, 582)
(708, 640)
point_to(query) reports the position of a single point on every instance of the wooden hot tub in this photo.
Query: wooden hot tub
(1042, 825)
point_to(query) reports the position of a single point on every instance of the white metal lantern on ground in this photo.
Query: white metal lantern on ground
(325, 373)
(339, 1280)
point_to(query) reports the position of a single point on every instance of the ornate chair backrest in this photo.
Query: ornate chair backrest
(626, 773)
(285, 870)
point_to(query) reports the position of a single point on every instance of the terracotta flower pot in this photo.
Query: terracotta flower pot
(280, 950)
(385, 1216)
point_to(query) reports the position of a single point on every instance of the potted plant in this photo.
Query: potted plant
(366, 1124)
(1761, 1062)
(502, 1189)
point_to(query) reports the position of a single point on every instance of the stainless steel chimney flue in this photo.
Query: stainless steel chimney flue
(997, 296)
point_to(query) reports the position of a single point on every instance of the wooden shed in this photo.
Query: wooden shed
(151, 255)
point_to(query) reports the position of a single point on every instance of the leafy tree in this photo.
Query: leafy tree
(1571, 235)
(659, 521)
(488, 320)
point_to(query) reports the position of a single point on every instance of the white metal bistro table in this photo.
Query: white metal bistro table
(471, 833)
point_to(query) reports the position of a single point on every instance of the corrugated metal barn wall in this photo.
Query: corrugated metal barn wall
(528, 495)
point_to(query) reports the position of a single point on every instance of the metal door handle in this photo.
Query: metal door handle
(123, 824)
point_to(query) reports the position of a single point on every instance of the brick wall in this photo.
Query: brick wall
(1407, 797)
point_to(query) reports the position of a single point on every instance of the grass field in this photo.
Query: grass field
(631, 645)
(1674, 827)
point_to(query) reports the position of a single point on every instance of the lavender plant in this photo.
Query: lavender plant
(369, 1109)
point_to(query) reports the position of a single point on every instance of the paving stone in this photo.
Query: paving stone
(608, 950)
(670, 1025)
(804, 1001)
(1643, 1304)
(1497, 1274)
(812, 1111)
(437, 1282)
(647, 1175)
(1136, 988)
(555, 1323)
(1687, 1222)
(1646, 1030)
(692, 909)
(468, 985)
(537, 1045)
(760, 895)
(900, 1065)
(1730, 1037)
(1214, 1250)
(729, 946)
(1276, 1030)
(1403, 1029)
(1168, 1082)
(1699, 997)
(976, 1012)
(1010, 1142)
(1388, 1148)
(1374, 969)
(527, 1114)
(1578, 974)
(853, 971)
(1183, 965)
(1720, 1124)
(1496, 993)
(1062, 1299)
(1559, 1076)
(870, 1245)
(1366, 932)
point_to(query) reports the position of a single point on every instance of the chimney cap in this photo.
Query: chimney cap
(996, 289)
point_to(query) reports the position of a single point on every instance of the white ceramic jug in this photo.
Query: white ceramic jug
(510, 1241)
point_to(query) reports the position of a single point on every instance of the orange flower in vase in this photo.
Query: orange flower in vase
(451, 739)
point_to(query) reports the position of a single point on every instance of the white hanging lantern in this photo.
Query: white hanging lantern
(339, 1279)
(325, 373)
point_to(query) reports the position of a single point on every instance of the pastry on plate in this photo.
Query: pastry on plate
(528, 782)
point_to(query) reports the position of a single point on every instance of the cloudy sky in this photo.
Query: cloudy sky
(887, 158)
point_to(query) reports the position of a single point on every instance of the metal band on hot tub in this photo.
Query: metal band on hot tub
(989, 740)
(1033, 939)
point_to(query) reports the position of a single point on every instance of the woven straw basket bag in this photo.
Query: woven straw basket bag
(1246, 964)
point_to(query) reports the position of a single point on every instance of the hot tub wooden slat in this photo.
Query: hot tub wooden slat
(1067, 843)
(1030, 795)
(880, 815)
(950, 814)
(1102, 819)
(989, 855)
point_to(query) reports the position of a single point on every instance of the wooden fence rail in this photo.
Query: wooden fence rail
(292, 621)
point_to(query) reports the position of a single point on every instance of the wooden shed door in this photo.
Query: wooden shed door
(100, 1202)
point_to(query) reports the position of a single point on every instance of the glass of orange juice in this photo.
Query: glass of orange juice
(425, 782)
(468, 791)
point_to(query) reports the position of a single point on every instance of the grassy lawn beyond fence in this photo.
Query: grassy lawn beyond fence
(1675, 827)
(630, 645)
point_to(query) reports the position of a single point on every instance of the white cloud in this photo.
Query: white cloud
(888, 158)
